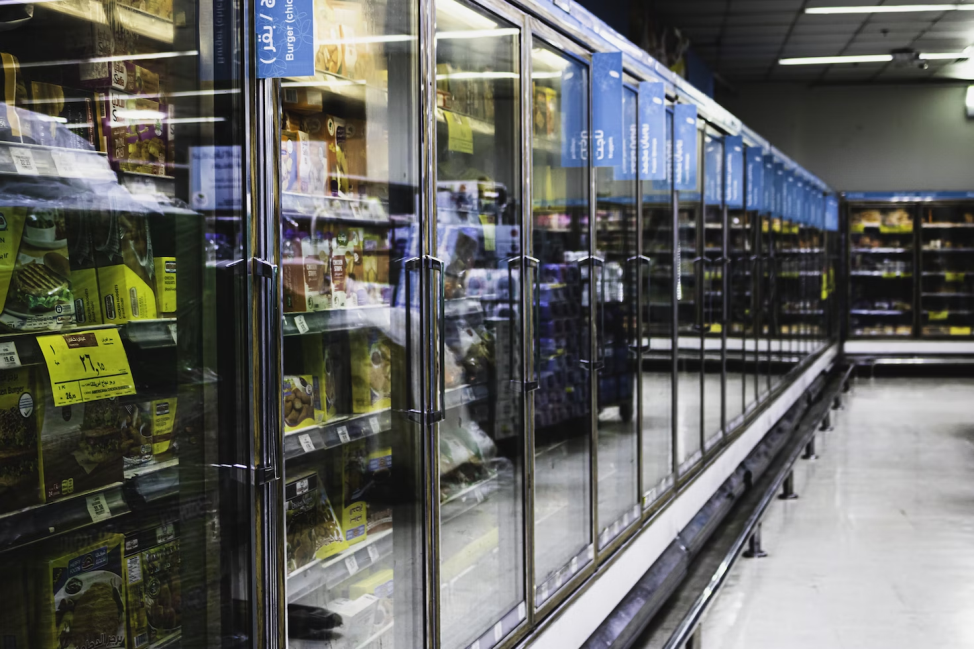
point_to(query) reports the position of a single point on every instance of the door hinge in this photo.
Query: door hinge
(264, 475)
(262, 268)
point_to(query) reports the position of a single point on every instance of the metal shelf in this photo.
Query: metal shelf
(335, 433)
(330, 572)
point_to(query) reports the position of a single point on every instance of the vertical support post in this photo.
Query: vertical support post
(696, 640)
(754, 549)
(788, 488)
(827, 422)
(810, 449)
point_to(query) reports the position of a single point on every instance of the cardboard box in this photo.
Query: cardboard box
(126, 270)
(19, 450)
(332, 131)
(302, 402)
(371, 367)
(305, 275)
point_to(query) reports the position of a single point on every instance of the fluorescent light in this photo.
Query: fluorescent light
(828, 60)
(969, 101)
(365, 40)
(464, 14)
(889, 9)
(109, 59)
(477, 33)
(478, 75)
(944, 56)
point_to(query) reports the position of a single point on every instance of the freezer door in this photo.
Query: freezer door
(133, 476)
(712, 291)
(478, 239)
(356, 278)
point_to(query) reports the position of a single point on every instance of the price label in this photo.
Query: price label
(64, 163)
(374, 423)
(343, 435)
(8, 356)
(87, 366)
(960, 331)
(573, 565)
(544, 592)
(98, 507)
(954, 277)
(522, 611)
(351, 564)
(24, 161)
(373, 553)
(301, 324)
(459, 133)
(475, 645)
(498, 632)
(559, 580)
(306, 444)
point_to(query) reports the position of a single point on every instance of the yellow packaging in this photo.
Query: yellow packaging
(20, 481)
(354, 480)
(324, 358)
(371, 366)
(165, 271)
(126, 272)
(379, 583)
(163, 413)
(84, 275)
(311, 527)
(302, 402)
(153, 591)
(90, 581)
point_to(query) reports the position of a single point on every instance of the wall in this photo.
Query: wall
(867, 138)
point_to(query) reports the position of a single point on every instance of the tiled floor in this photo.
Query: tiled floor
(878, 552)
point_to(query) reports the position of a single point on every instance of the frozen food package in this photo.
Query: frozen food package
(305, 272)
(79, 597)
(81, 446)
(135, 424)
(312, 529)
(35, 274)
(327, 357)
(133, 132)
(162, 230)
(371, 367)
(379, 514)
(153, 589)
(120, 75)
(19, 451)
(355, 483)
(14, 91)
(302, 402)
(332, 131)
(84, 272)
(330, 55)
(65, 117)
(126, 265)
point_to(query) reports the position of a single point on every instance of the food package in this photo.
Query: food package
(303, 99)
(162, 230)
(312, 529)
(332, 131)
(330, 55)
(379, 514)
(375, 266)
(57, 108)
(357, 54)
(79, 597)
(355, 483)
(304, 275)
(14, 91)
(302, 402)
(84, 273)
(160, 8)
(133, 132)
(81, 446)
(327, 358)
(120, 75)
(153, 589)
(358, 617)
(35, 284)
(19, 471)
(545, 111)
(146, 428)
(379, 584)
(371, 367)
(356, 147)
(126, 266)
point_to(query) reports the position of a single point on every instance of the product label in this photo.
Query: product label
(713, 157)
(607, 109)
(734, 171)
(459, 133)
(685, 147)
(754, 191)
(8, 356)
(652, 131)
(165, 272)
(285, 38)
(87, 366)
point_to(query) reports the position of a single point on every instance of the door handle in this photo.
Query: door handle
(640, 260)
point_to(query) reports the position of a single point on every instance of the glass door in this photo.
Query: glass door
(128, 452)
(881, 285)
(354, 276)
(740, 328)
(562, 242)
(616, 243)
(711, 242)
(479, 242)
(658, 306)
(947, 270)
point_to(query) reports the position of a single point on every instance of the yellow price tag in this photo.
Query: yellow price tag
(459, 133)
(960, 331)
(954, 277)
(939, 315)
(716, 328)
(87, 366)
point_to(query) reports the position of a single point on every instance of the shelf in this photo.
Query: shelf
(947, 313)
(888, 312)
(802, 251)
(948, 225)
(330, 572)
(133, 20)
(465, 395)
(881, 250)
(971, 295)
(958, 275)
(467, 499)
(335, 433)
(880, 273)
(947, 249)
(145, 484)
(33, 161)
(339, 209)
(316, 322)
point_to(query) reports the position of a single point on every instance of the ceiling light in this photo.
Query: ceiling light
(944, 56)
(828, 60)
(889, 9)
(969, 101)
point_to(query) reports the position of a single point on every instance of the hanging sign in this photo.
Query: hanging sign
(767, 204)
(754, 191)
(652, 131)
(779, 181)
(86, 366)
(574, 126)
(285, 38)
(713, 156)
(684, 147)
(832, 213)
(630, 150)
(607, 109)
(734, 171)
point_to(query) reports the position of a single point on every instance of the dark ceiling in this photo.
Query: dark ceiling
(742, 40)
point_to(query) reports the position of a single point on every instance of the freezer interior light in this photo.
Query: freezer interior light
(889, 9)
(828, 60)
(464, 14)
(969, 101)
(945, 56)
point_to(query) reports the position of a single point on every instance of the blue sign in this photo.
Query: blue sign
(627, 170)
(734, 171)
(285, 38)
(607, 109)
(832, 213)
(684, 147)
(652, 131)
(664, 184)
(799, 200)
(574, 122)
(713, 156)
(767, 204)
(754, 178)
(779, 190)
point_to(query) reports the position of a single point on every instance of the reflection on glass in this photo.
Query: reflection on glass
(791, 284)
(740, 330)
(657, 333)
(947, 266)
(561, 240)
(712, 355)
(117, 261)
(353, 483)
(881, 271)
(478, 237)
(616, 244)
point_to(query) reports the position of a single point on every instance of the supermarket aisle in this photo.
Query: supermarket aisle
(877, 550)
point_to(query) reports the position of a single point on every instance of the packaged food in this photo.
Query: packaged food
(79, 597)
(355, 481)
(163, 414)
(303, 99)
(332, 131)
(379, 514)
(11, 85)
(371, 368)
(121, 75)
(135, 422)
(312, 529)
(358, 617)
(302, 402)
(161, 8)
(126, 266)
(154, 594)
(35, 284)
(330, 55)
(81, 446)
(132, 132)
(327, 358)
(84, 273)
(380, 585)
(162, 229)
(60, 108)
(356, 148)
(19, 471)
(305, 274)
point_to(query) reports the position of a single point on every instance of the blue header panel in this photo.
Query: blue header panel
(713, 156)
(685, 147)
(896, 197)
(832, 213)
(607, 109)
(767, 203)
(734, 171)
(754, 191)
(627, 171)
(574, 125)
(285, 39)
(779, 190)
(653, 133)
